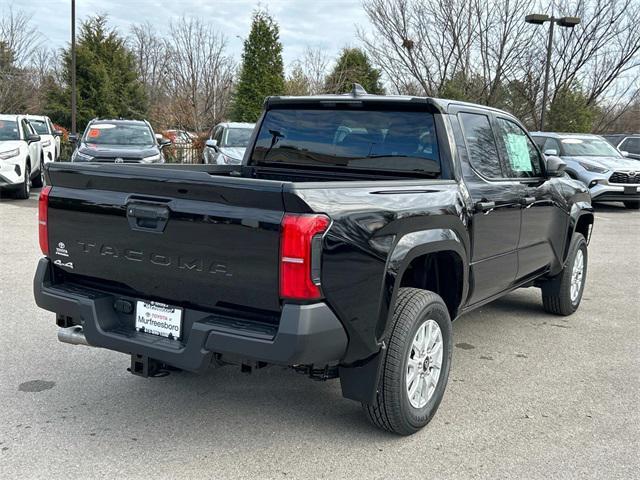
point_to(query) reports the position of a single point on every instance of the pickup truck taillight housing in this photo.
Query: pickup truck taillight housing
(43, 213)
(300, 250)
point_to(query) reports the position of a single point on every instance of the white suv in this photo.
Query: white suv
(49, 136)
(21, 157)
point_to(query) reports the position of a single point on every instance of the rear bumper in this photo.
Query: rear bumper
(305, 335)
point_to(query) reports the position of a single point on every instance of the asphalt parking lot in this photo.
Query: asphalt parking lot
(530, 395)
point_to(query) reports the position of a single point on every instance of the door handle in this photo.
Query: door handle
(147, 217)
(485, 206)
(528, 201)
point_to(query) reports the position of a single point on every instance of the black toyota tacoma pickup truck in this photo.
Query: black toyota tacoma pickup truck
(357, 228)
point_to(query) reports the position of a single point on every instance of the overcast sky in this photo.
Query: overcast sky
(328, 24)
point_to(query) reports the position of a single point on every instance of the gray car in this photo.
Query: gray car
(610, 176)
(227, 143)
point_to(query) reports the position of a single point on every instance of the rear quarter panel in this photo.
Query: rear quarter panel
(371, 240)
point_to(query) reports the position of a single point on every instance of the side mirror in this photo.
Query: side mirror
(33, 138)
(624, 153)
(212, 143)
(555, 167)
(73, 137)
(57, 133)
(552, 152)
(163, 142)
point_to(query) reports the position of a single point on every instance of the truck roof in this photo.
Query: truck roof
(442, 104)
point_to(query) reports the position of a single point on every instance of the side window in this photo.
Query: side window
(218, 136)
(551, 144)
(522, 157)
(26, 129)
(483, 153)
(631, 145)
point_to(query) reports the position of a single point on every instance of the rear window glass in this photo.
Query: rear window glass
(393, 141)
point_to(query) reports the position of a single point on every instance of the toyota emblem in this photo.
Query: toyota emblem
(119, 160)
(632, 174)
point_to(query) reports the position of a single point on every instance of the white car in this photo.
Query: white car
(21, 157)
(227, 143)
(49, 136)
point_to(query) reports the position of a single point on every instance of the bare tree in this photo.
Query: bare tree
(200, 74)
(19, 44)
(602, 50)
(488, 48)
(153, 58)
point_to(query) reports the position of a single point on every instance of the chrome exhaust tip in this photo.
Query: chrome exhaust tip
(73, 335)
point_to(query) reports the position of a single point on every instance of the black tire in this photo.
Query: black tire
(556, 292)
(38, 182)
(25, 187)
(392, 410)
(632, 204)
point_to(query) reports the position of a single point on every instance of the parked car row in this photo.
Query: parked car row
(608, 173)
(26, 144)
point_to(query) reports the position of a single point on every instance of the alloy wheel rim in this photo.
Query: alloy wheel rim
(424, 363)
(28, 179)
(577, 274)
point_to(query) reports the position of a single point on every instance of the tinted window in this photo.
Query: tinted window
(40, 126)
(551, 144)
(118, 134)
(238, 137)
(9, 130)
(481, 144)
(631, 145)
(520, 152)
(394, 141)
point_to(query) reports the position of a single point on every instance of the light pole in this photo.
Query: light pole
(73, 68)
(539, 19)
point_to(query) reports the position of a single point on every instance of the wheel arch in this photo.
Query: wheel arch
(581, 222)
(419, 259)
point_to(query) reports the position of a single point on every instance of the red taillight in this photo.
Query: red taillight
(43, 211)
(300, 248)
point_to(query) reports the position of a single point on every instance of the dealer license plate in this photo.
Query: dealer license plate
(159, 319)
(630, 190)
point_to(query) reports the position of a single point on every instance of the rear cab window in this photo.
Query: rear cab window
(481, 144)
(394, 142)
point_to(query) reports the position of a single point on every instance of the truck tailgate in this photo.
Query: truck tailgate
(162, 233)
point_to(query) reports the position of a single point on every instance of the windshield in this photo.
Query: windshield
(118, 134)
(40, 126)
(588, 147)
(238, 137)
(396, 141)
(9, 130)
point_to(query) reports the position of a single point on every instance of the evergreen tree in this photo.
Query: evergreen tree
(262, 71)
(106, 77)
(353, 66)
(570, 112)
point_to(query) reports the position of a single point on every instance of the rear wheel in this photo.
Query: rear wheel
(25, 187)
(632, 204)
(562, 294)
(415, 364)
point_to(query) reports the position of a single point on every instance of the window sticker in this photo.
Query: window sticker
(94, 133)
(518, 152)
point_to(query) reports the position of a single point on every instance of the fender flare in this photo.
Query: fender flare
(360, 381)
(578, 210)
